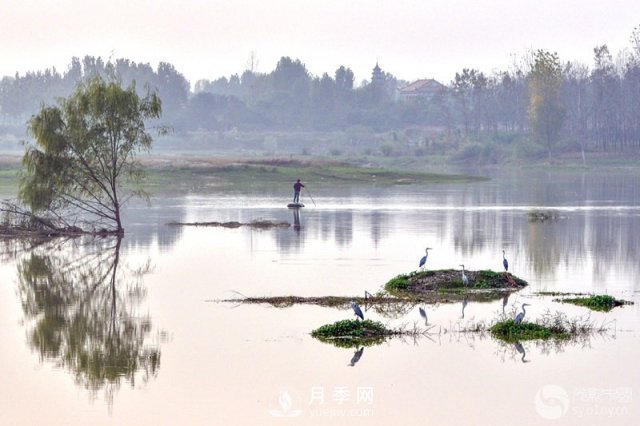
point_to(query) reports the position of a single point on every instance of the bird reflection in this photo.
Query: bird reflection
(521, 350)
(505, 300)
(423, 314)
(356, 357)
(465, 301)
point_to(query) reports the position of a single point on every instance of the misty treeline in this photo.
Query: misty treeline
(541, 105)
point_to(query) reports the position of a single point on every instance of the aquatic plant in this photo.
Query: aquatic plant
(549, 326)
(449, 280)
(511, 332)
(353, 333)
(603, 303)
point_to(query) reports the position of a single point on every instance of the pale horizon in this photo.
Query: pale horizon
(409, 39)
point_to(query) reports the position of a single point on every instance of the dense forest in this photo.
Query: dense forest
(543, 105)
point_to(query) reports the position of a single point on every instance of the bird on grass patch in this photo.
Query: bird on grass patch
(505, 263)
(521, 315)
(423, 261)
(356, 310)
(465, 279)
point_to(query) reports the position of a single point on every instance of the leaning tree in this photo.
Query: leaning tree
(83, 161)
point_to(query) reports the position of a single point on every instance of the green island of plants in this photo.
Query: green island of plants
(602, 303)
(450, 281)
(353, 333)
(511, 332)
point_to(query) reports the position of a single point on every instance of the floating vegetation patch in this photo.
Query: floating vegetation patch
(329, 301)
(354, 333)
(257, 224)
(450, 281)
(543, 215)
(602, 303)
(511, 332)
(557, 293)
(549, 326)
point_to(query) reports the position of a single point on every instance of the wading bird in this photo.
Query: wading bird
(356, 310)
(465, 279)
(520, 316)
(423, 314)
(504, 262)
(424, 258)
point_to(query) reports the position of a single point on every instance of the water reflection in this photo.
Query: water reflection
(521, 350)
(465, 301)
(296, 220)
(356, 357)
(80, 308)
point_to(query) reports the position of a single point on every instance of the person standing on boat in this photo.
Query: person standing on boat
(296, 191)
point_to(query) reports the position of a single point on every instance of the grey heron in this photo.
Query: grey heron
(356, 310)
(520, 316)
(465, 279)
(423, 314)
(423, 261)
(504, 262)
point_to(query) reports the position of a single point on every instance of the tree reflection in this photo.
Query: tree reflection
(80, 309)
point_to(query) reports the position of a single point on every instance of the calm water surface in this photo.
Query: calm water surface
(133, 333)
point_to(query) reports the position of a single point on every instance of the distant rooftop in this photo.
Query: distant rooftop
(422, 86)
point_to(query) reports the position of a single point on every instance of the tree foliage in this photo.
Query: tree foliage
(84, 151)
(546, 111)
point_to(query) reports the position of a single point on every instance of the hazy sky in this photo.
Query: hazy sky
(410, 39)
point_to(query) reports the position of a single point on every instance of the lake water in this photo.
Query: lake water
(152, 344)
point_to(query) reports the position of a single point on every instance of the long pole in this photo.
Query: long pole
(314, 203)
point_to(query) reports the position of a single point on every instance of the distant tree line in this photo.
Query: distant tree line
(560, 105)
